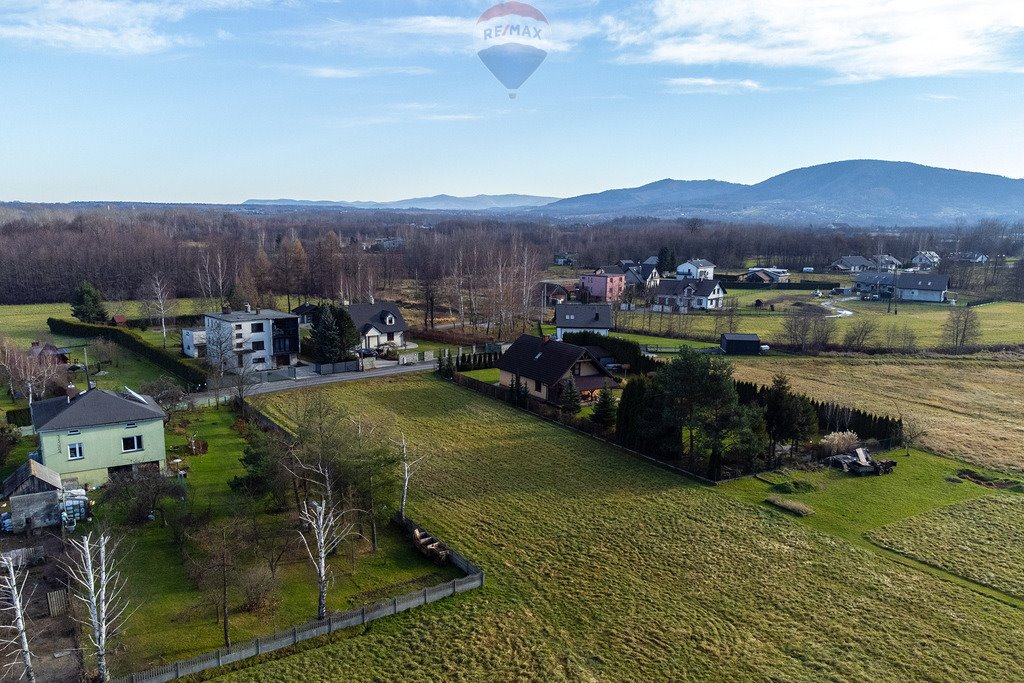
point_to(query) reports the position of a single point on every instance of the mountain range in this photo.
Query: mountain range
(858, 192)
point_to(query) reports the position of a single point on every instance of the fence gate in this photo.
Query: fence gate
(58, 602)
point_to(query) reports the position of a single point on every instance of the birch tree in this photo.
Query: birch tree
(14, 638)
(95, 579)
(409, 468)
(160, 303)
(325, 526)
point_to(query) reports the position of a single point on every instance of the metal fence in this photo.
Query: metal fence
(315, 629)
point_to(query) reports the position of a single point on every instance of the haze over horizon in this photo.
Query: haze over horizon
(219, 101)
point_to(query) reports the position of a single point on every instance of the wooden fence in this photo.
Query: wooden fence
(315, 629)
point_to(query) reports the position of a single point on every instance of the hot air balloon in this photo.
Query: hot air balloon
(510, 38)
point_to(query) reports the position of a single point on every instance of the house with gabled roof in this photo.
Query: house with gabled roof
(378, 323)
(684, 295)
(582, 318)
(852, 264)
(544, 367)
(696, 269)
(926, 260)
(927, 287)
(98, 434)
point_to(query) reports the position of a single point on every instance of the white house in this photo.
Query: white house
(260, 339)
(852, 264)
(684, 295)
(582, 318)
(378, 323)
(926, 260)
(193, 343)
(886, 262)
(922, 287)
(696, 269)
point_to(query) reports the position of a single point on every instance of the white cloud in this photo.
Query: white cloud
(115, 26)
(856, 39)
(713, 85)
(450, 117)
(358, 72)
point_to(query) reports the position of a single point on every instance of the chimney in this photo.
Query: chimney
(248, 308)
(226, 309)
(72, 392)
(92, 385)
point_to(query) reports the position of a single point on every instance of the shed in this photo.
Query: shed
(741, 344)
(31, 477)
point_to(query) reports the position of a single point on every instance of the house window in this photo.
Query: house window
(259, 346)
(536, 385)
(259, 361)
(75, 451)
(130, 425)
(238, 327)
(131, 443)
(390, 320)
(74, 432)
(257, 327)
(391, 336)
(238, 335)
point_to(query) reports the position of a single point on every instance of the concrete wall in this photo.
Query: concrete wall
(102, 449)
(35, 510)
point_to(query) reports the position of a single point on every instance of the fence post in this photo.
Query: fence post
(257, 646)
(424, 595)
(453, 587)
(362, 612)
(295, 634)
(219, 658)
(394, 605)
(176, 670)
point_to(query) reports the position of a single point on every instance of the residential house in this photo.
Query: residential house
(767, 276)
(307, 313)
(886, 262)
(882, 284)
(582, 318)
(638, 276)
(98, 434)
(566, 259)
(696, 269)
(926, 260)
(378, 323)
(684, 295)
(604, 286)
(47, 351)
(969, 257)
(927, 287)
(193, 343)
(252, 338)
(544, 367)
(852, 264)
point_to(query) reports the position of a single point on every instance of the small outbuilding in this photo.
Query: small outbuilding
(741, 344)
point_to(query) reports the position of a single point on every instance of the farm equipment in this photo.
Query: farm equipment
(430, 546)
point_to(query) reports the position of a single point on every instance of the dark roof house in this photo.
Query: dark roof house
(678, 287)
(928, 282)
(94, 408)
(547, 361)
(583, 316)
(384, 316)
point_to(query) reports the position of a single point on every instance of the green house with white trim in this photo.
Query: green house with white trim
(98, 434)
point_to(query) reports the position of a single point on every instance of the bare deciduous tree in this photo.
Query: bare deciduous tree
(159, 302)
(409, 468)
(326, 525)
(15, 634)
(93, 569)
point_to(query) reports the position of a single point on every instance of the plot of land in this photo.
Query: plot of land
(969, 409)
(980, 540)
(600, 567)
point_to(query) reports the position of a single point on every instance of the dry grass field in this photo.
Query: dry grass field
(600, 567)
(980, 540)
(970, 409)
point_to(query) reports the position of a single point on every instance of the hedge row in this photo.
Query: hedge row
(19, 417)
(129, 339)
(834, 417)
(476, 361)
(625, 351)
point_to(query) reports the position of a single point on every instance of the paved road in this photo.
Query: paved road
(838, 311)
(208, 398)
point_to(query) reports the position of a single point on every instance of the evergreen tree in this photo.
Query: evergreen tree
(783, 411)
(749, 439)
(718, 413)
(604, 410)
(348, 336)
(263, 475)
(629, 414)
(665, 263)
(515, 390)
(683, 384)
(570, 401)
(87, 304)
(326, 341)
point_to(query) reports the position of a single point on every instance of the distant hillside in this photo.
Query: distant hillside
(441, 202)
(855, 192)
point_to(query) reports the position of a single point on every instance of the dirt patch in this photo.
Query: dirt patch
(367, 597)
(997, 483)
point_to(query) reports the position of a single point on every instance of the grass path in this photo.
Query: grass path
(602, 568)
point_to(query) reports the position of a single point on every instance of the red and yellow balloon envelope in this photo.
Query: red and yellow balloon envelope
(510, 40)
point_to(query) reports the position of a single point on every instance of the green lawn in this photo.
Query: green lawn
(173, 621)
(490, 375)
(600, 567)
(979, 539)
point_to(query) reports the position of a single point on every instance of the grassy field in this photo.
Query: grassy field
(980, 540)
(174, 621)
(600, 567)
(969, 409)
(1001, 323)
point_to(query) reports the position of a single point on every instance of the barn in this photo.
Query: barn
(741, 344)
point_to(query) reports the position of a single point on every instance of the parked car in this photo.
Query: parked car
(367, 353)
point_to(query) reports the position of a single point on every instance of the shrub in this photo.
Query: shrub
(259, 588)
(788, 505)
(795, 486)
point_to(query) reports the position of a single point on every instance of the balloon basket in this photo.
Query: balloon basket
(511, 95)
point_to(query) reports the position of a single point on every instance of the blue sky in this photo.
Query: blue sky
(224, 100)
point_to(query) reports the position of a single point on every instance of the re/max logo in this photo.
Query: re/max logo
(511, 30)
